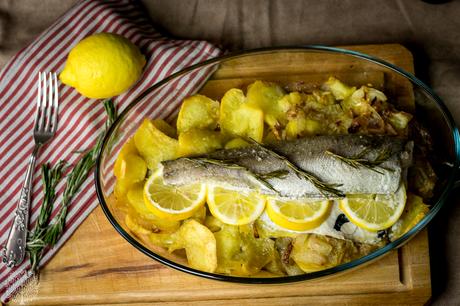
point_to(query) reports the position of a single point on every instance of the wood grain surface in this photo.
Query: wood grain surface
(97, 266)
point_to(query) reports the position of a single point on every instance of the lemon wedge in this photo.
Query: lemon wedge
(233, 207)
(374, 212)
(173, 202)
(298, 215)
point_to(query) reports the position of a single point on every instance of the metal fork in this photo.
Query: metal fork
(45, 127)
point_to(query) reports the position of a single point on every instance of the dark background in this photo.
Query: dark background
(430, 31)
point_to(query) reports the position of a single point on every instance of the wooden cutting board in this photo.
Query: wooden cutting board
(97, 266)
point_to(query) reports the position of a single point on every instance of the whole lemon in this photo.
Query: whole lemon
(103, 65)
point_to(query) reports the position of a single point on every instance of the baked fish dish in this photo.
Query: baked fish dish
(276, 180)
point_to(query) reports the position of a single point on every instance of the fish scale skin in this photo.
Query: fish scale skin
(308, 154)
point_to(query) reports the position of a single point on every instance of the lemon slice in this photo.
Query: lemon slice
(233, 207)
(173, 202)
(374, 212)
(298, 215)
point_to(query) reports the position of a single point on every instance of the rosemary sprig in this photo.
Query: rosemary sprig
(358, 160)
(46, 233)
(204, 161)
(50, 179)
(325, 189)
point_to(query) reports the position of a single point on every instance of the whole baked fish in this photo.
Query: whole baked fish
(244, 169)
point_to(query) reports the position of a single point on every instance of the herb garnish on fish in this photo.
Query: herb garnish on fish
(358, 160)
(325, 189)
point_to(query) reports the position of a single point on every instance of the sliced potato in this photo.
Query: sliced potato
(128, 148)
(200, 214)
(360, 101)
(266, 96)
(153, 145)
(130, 167)
(200, 246)
(271, 137)
(251, 124)
(197, 142)
(198, 112)
(170, 241)
(165, 127)
(229, 105)
(135, 198)
(236, 143)
(240, 253)
(312, 252)
(121, 189)
(275, 266)
(134, 227)
(399, 120)
(299, 127)
(228, 242)
(239, 119)
(213, 223)
(283, 246)
(291, 101)
(414, 211)
(338, 89)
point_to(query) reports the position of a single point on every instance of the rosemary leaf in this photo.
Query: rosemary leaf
(275, 174)
(358, 160)
(326, 189)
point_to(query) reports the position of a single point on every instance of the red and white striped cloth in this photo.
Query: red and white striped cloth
(81, 119)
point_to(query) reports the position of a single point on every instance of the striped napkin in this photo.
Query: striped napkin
(81, 119)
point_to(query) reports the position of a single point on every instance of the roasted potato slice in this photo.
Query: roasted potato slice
(128, 148)
(197, 142)
(131, 167)
(414, 211)
(340, 90)
(213, 223)
(301, 126)
(238, 119)
(240, 253)
(121, 189)
(200, 214)
(266, 96)
(136, 228)
(198, 112)
(236, 143)
(200, 245)
(313, 252)
(153, 145)
(165, 127)
(170, 241)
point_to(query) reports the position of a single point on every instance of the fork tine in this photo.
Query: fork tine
(49, 104)
(43, 104)
(39, 89)
(55, 104)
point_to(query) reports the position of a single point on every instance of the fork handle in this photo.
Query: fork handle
(15, 248)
